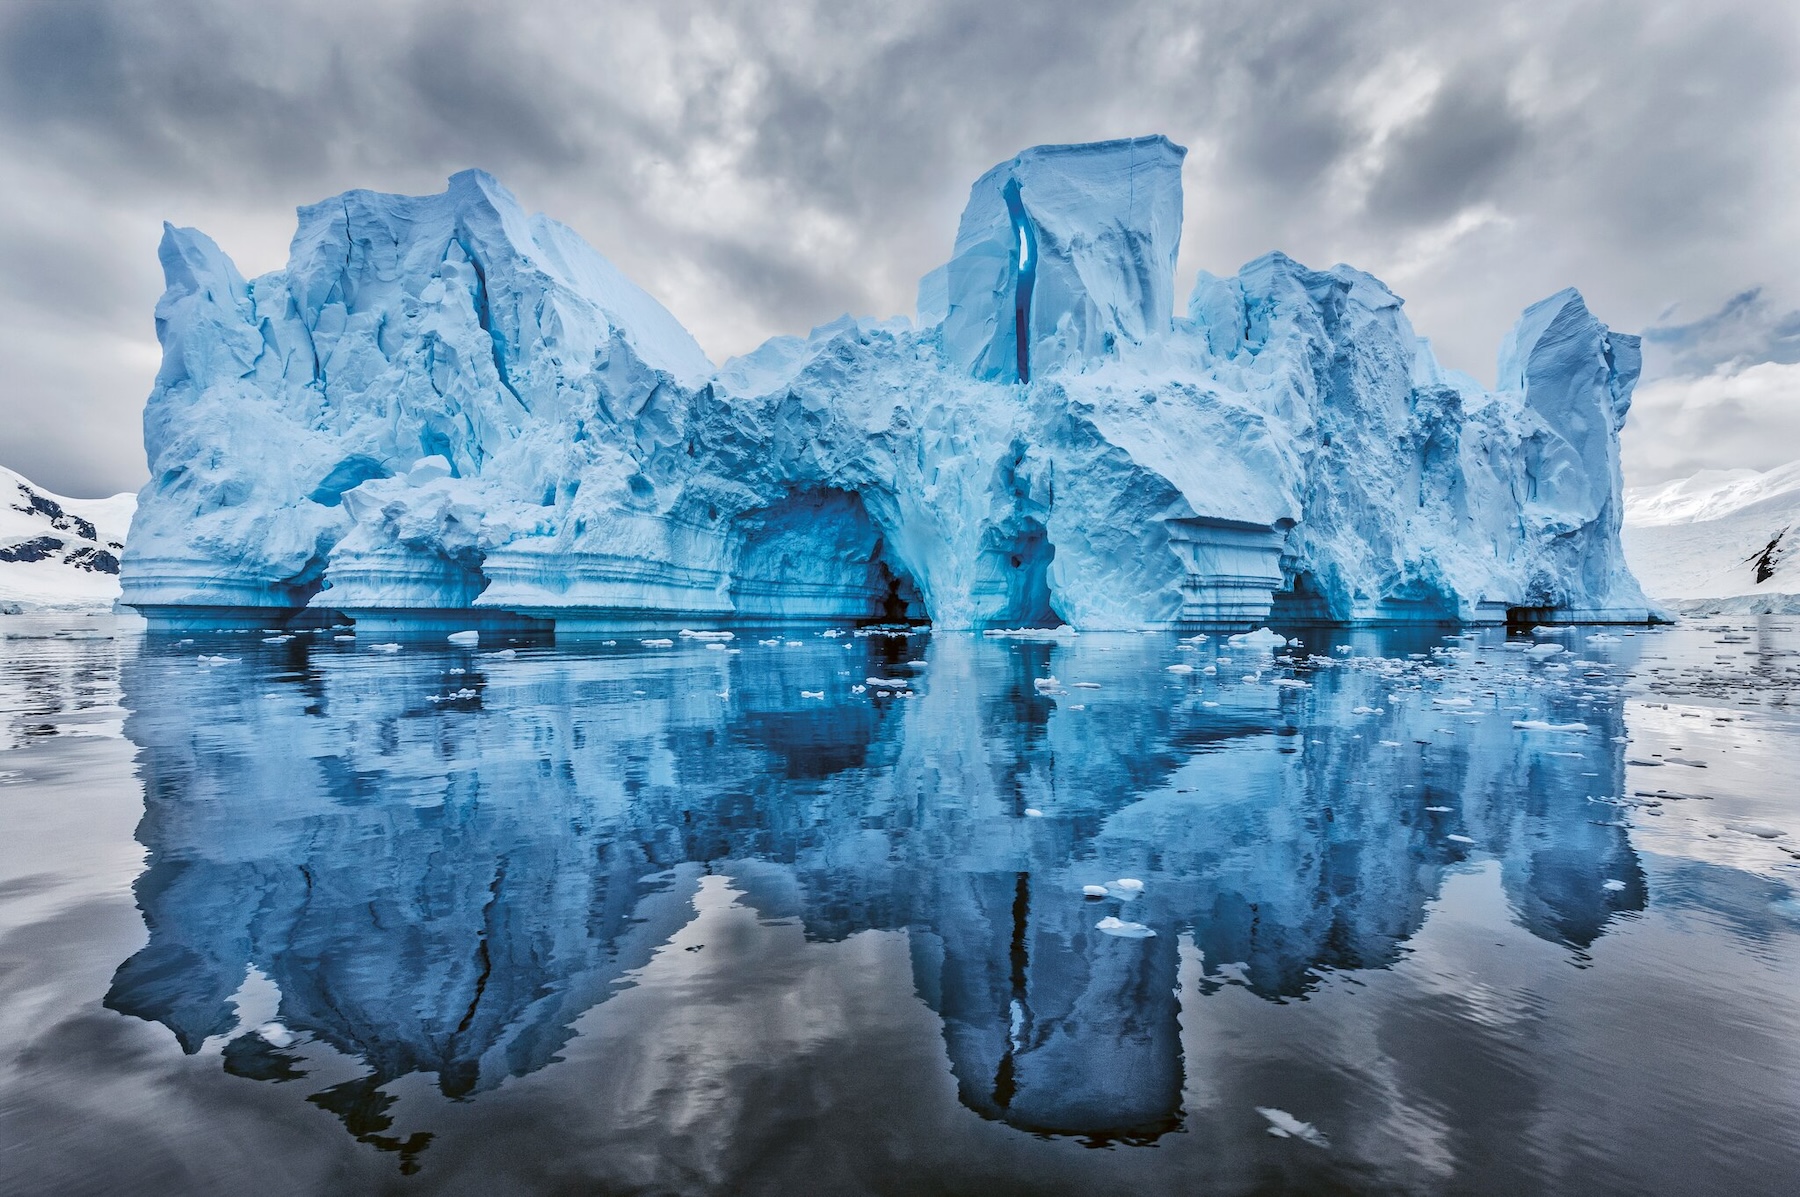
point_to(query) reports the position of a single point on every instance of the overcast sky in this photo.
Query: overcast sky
(763, 167)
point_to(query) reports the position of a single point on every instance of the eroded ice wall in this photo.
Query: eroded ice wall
(446, 410)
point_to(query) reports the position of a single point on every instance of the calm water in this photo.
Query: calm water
(322, 919)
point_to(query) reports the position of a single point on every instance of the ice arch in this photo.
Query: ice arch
(818, 555)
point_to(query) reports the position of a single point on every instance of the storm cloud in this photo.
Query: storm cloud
(763, 168)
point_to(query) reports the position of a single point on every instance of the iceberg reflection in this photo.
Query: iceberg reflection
(438, 860)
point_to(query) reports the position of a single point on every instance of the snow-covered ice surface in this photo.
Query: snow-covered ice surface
(57, 552)
(527, 919)
(445, 409)
(1721, 541)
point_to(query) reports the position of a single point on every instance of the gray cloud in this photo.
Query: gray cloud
(761, 168)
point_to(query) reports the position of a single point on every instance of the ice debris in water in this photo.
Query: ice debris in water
(1032, 812)
(446, 403)
(812, 694)
(390, 647)
(467, 639)
(1181, 669)
(658, 642)
(1284, 1125)
(1094, 891)
(690, 634)
(1260, 638)
(1544, 725)
(1124, 930)
(1612, 885)
(1544, 651)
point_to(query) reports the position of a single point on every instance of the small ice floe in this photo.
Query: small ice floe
(658, 642)
(899, 683)
(1180, 669)
(917, 664)
(504, 654)
(1122, 929)
(1207, 702)
(1543, 725)
(608, 643)
(1284, 1125)
(1032, 812)
(1125, 889)
(468, 639)
(1343, 649)
(1065, 632)
(1093, 891)
(716, 647)
(796, 644)
(1209, 669)
(883, 694)
(1459, 839)
(207, 662)
(453, 696)
(1438, 810)
(1197, 638)
(859, 689)
(1260, 638)
(831, 633)
(1362, 710)
(457, 671)
(1602, 638)
(1288, 683)
(1543, 652)
(1250, 679)
(184, 643)
(389, 647)
(812, 694)
(691, 634)
(1085, 685)
(770, 643)
(1077, 706)
(345, 636)
(282, 639)
(1390, 743)
(1612, 885)
(1043, 685)
(1454, 702)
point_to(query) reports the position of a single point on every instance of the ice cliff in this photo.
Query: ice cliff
(445, 410)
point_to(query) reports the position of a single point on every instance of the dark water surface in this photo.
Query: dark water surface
(318, 918)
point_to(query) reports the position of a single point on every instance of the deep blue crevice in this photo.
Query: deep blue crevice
(1025, 249)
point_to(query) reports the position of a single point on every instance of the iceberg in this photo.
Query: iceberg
(446, 414)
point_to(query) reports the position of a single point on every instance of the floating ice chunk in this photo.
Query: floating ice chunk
(1199, 638)
(899, 683)
(1542, 725)
(1260, 638)
(1063, 633)
(1122, 929)
(796, 644)
(1094, 891)
(658, 642)
(1362, 710)
(345, 636)
(1543, 652)
(1032, 812)
(207, 662)
(1438, 810)
(1208, 703)
(467, 639)
(831, 633)
(770, 643)
(390, 647)
(1459, 839)
(1284, 1125)
(1130, 883)
(690, 634)
(1390, 743)
(1180, 669)
(1210, 669)
(1288, 683)
(504, 654)
(812, 694)
(283, 639)
(1612, 885)
(718, 648)
(1454, 702)
(1085, 685)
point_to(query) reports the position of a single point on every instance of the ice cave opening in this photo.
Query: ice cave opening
(817, 554)
(1013, 577)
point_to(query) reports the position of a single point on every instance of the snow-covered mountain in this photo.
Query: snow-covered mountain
(56, 551)
(1719, 541)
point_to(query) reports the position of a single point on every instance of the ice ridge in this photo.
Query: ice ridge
(445, 410)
